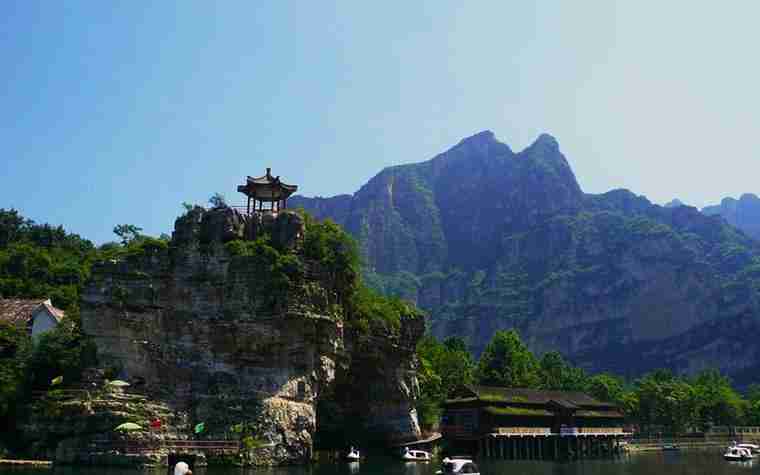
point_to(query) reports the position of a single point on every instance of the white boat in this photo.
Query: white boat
(353, 455)
(738, 454)
(753, 448)
(457, 465)
(415, 455)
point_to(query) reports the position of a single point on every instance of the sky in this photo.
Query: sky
(117, 112)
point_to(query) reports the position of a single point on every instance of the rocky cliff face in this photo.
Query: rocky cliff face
(743, 213)
(247, 332)
(485, 239)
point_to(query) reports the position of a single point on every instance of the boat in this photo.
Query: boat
(753, 448)
(671, 447)
(415, 455)
(352, 455)
(457, 465)
(738, 454)
(182, 468)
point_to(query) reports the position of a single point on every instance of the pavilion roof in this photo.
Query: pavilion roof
(564, 399)
(267, 187)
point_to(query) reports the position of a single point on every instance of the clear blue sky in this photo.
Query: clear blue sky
(116, 112)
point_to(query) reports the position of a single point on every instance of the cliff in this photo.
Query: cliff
(743, 213)
(248, 323)
(485, 238)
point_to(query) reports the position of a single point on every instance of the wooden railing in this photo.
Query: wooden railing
(523, 431)
(138, 447)
(600, 430)
(747, 430)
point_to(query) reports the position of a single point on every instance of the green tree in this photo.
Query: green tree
(14, 350)
(507, 362)
(718, 403)
(557, 374)
(127, 232)
(667, 400)
(217, 200)
(607, 387)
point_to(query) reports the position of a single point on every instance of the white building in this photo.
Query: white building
(37, 315)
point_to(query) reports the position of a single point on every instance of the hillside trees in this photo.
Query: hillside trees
(657, 401)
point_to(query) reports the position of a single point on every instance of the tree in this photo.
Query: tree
(217, 200)
(557, 374)
(127, 232)
(718, 403)
(14, 348)
(667, 400)
(507, 362)
(606, 387)
(12, 225)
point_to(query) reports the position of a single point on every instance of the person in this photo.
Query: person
(182, 468)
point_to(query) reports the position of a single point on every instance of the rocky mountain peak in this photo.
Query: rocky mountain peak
(545, 142)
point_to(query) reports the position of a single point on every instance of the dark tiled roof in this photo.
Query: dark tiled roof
(517, 411)
(266, 182)
(568, 399)
(598, 413)
(19, 311)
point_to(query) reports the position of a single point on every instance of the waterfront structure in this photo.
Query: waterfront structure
(527, 423)
(36, 315)
(266, 193)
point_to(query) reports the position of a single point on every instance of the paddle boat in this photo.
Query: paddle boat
(458, 464)
(754, 449)
(738, 454)
(352, 455)
(182, 468)
(415, 455)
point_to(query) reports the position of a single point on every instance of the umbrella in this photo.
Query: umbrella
(117, 383)
(128, 426)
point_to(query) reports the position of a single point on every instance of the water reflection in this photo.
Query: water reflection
(656, 463)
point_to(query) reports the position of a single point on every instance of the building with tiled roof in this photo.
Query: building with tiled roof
(36, 315)
(478, 410)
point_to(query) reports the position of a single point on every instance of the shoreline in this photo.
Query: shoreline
(26, 463)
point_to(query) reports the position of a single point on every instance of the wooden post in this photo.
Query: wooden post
(540, 443)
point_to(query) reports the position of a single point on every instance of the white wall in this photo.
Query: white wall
(42, 321)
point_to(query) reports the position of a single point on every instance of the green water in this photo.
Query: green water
(657, 463)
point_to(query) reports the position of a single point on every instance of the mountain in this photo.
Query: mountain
(743, 213)
(484, 238)
(674, 203)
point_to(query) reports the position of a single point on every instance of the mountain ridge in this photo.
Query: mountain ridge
(484, 238)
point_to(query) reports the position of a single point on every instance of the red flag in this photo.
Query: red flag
(155, 423)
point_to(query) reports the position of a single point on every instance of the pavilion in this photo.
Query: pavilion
(266, 189)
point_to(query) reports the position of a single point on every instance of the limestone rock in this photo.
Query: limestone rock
(212, 335)
(222, 224)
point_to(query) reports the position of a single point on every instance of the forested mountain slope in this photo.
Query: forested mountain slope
(485, 238)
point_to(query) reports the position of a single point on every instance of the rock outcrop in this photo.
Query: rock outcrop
(743, 213)
(485, 239)
(236, 331)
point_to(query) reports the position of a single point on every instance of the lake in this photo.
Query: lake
(653, 463)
